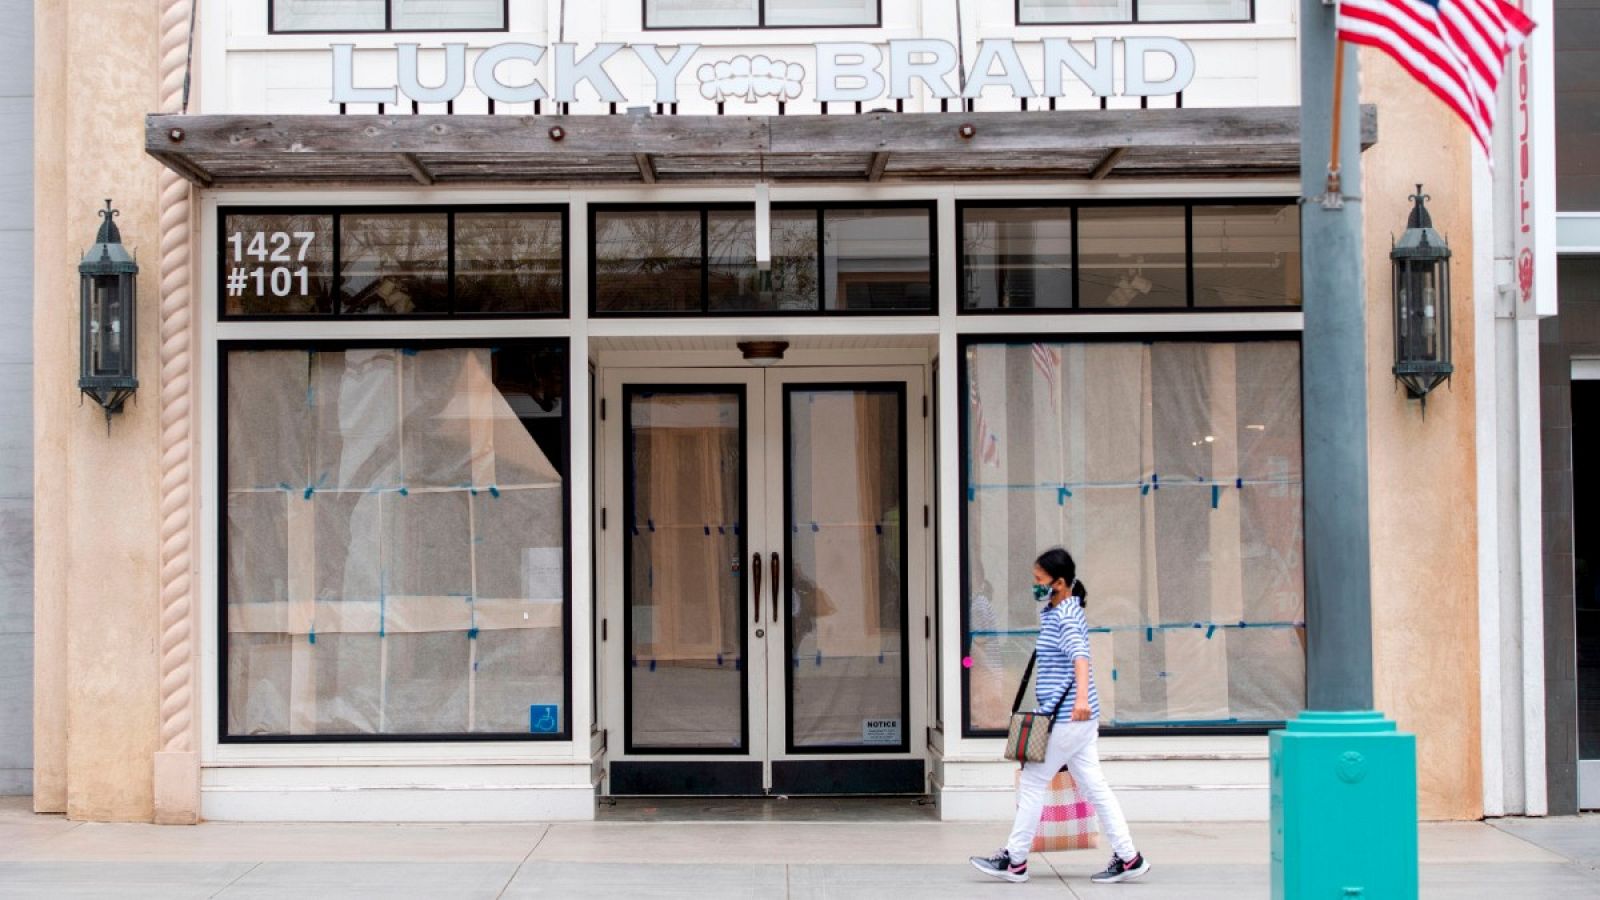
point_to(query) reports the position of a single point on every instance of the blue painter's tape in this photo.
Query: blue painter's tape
(652, 665)
(819, 658)
(1216, 495)
(312, 637)
(738, 663)
(1113, 674)
(1143, 488)
(880, 657)
(1149, 634)
(650, 523)
(722, 529)
(544, 718)
(814, 528)
(404, 492)
(972, 494)
(309, 491)
(473, 491)
(472, 634)
(707, 529)
(494, 492)
(1239, 483)
(1061, 495)
(408, 351)
(1155, 481)
(879, 527)
(736, 528)
(1210, 630)
(719, 660)
(1244, 624)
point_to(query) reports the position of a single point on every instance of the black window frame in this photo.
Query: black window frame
(1189, 206)
(1016, 11)
(337, 212)
(964, 589)
(632, 391)
(320, 345)
(388, 24)
(761, 21)
(705, 311)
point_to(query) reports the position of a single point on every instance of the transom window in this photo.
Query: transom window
(302, 16)
(760, 13)
(1233, 255)
(1079, 12)
(397, 262)
(870, 258)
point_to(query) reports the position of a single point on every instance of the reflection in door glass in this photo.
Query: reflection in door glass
(684, 479)
(846, 584)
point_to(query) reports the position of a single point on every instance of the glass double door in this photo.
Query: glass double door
(766, 568)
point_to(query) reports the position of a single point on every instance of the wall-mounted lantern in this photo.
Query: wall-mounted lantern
(1421, 261)
(106, 280)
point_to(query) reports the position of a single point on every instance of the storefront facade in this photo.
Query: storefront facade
(579, 413)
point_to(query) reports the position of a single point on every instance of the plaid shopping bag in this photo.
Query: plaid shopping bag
(1067, 821)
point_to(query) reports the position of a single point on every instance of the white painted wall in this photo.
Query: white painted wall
(16, 397)
(1237, 64)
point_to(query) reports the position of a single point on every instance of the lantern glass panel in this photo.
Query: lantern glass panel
(107, 321)
(1420, 311)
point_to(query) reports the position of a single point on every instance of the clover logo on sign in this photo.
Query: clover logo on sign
(751, 78)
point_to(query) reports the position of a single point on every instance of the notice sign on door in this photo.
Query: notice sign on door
(880, 731)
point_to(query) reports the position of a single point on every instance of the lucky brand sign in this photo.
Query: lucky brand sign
(845, 72)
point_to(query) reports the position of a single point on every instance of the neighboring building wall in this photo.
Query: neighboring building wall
(1422, 465)
(16, 399)
(97, 538)
(1573, 332)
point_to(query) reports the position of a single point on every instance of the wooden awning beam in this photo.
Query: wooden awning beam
(1107, 163)
(647, 168)
(875, 168)
(464, 149)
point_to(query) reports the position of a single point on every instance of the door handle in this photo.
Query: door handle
(774, 587)
(755, 570)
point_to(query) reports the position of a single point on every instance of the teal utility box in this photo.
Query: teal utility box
(1344, 808)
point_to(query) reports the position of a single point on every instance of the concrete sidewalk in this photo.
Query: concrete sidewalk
(666, 850)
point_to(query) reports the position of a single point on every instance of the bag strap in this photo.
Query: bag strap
(1022, 689)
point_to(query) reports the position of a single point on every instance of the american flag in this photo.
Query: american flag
(988, 443)
(1457, 48)
(1048, 362)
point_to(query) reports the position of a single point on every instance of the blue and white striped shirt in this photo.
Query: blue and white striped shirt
(1063, 637)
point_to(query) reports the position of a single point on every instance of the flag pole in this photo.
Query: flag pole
(1334, 198)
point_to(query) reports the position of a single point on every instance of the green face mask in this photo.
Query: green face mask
(1041, 591)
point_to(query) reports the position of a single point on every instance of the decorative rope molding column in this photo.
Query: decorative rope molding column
(177, 766)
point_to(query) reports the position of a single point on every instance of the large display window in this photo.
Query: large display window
(1171, 470)
(394, 551)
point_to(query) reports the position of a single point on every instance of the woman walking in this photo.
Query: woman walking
(1066, 682)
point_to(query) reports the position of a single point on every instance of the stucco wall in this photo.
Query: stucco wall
(96, 587)
(16, 399)
(1423, 466)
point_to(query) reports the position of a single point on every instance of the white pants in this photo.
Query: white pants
(1074, 745)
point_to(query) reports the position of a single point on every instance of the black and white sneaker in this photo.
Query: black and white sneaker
(1121, 871)
(1000, 866)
